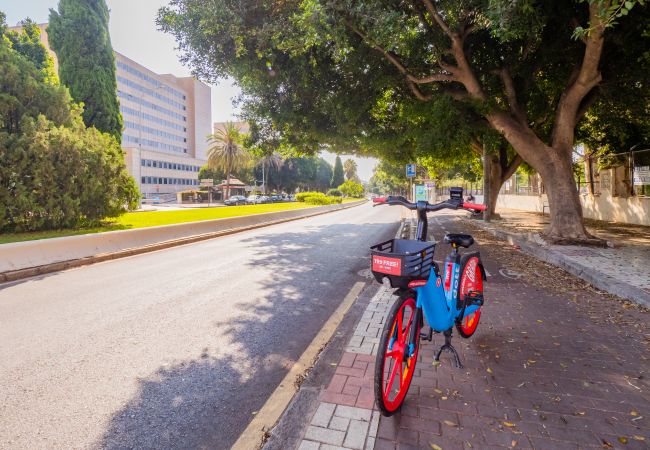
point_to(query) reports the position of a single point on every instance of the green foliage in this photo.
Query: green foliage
(351, 189)
(334, 193)
(27, 43)
(317, 198)
(54, 172)
(244, 174)
(78, 33)
(337, 176)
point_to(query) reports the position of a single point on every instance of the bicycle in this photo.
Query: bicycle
(442, 300)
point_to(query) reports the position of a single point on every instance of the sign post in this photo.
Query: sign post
(410, 174)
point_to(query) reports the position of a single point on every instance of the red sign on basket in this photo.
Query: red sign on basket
(389, 266)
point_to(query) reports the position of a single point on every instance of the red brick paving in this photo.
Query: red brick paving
(352, 383)
(553, 368)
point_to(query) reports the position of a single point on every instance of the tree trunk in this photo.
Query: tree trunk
(227, 186)
(566, 225)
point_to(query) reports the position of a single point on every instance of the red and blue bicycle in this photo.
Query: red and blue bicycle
(442, 300)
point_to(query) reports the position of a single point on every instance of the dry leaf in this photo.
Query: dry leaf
(634, 413)
(531, 361)
(450, 423)
(607, 444)
(638, 438)
(539, 321)
(508, 424)
(439, 391)
(436, 363)
(622, 440)
(489, 370)
(513, 443)
(435, 447)
(443, 398)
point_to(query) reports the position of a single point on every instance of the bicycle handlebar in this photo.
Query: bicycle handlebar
(451, 204)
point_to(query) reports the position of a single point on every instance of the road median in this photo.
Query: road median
(31, 258)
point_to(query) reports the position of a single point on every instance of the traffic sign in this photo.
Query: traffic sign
(207, 182)
(410, 170)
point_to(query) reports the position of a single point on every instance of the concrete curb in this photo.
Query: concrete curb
(594, 277)
(227, 226)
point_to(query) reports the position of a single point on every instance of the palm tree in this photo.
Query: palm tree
(274, 160)
(226, 153)
(350, 169)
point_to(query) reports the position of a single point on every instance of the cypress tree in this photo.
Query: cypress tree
(78, 33)
(337, 177)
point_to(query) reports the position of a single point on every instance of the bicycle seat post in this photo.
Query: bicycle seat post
(423, 223)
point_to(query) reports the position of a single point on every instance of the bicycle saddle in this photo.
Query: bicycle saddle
(461, 240)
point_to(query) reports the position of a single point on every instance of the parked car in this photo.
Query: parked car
(265, 199)
(235, 200)
(254, 199)
(276, 198)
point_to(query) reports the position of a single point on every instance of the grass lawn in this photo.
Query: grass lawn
(154, 218)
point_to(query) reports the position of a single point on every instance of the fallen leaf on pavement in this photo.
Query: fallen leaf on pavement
(435, 447)
(450, 423)
(509, 424)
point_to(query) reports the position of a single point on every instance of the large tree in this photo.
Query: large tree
(78, 34)
(529, 69)
(54, 172)
(226, 152)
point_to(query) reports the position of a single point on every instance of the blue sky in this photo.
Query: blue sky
(134, 34)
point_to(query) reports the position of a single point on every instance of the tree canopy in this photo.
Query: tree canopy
(337, 72)
(337, 176)
(78, 34)
(54, 172)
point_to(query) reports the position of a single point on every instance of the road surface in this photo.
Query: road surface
(176, 348)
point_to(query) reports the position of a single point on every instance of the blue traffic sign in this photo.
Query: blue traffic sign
(410, 170)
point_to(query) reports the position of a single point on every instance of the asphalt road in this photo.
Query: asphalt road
(176, 348)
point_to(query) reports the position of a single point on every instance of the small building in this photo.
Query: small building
(237, 187)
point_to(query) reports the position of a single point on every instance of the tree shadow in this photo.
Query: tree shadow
(208, 402)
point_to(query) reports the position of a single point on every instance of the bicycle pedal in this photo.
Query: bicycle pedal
(427, 336)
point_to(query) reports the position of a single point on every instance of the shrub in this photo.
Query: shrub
(335, 200)
(334, 193)
(302, 195)
(351, 189)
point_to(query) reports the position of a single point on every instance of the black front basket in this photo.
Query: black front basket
(402, 261)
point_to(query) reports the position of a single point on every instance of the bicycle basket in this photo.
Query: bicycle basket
(402, 261)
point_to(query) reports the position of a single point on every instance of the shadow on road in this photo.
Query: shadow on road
(208, 402)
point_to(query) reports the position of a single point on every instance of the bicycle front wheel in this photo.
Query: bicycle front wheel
(397, 355)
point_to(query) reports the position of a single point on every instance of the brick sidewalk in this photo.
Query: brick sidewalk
(553, 365)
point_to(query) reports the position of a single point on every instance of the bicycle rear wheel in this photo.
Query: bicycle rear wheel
(397, 356)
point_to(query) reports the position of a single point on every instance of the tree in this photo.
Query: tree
(337, 175)
(27, 43)
(54, 172)
(270, 161)
(350, 170)
(324, 175)
(78, 33)
(226, 153)
(518, 65)
(351, 189)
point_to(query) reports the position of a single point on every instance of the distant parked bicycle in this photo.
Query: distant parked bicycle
(443, 300)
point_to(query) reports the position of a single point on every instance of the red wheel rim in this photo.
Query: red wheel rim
(471, 281)
(398, 370)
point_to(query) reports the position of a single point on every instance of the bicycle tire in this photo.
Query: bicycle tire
(396, 353)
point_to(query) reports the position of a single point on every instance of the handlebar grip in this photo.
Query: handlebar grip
(474, 206)
(379, 201)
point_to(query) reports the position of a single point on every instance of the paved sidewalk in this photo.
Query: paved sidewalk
(553, 365)
(623, 269)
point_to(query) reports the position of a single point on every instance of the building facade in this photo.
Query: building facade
(166, 122)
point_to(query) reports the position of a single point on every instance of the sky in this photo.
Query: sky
(134, 34)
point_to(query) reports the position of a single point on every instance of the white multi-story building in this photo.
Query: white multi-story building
(166, 122)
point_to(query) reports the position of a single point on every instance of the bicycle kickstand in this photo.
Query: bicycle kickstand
(450, 349)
